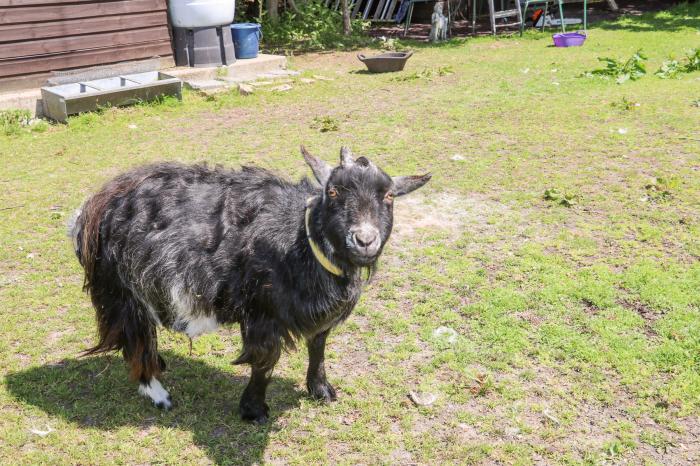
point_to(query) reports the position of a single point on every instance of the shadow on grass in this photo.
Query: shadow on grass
(679, 17)
(366, 72)
(95, 394)
(452, 43)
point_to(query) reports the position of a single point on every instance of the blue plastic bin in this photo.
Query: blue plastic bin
(246, 39)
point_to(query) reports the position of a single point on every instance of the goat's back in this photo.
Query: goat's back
(188, 237)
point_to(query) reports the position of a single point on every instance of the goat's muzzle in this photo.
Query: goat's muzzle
(365, 243)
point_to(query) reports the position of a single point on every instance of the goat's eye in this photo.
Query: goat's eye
(332, 193)
(389, 197)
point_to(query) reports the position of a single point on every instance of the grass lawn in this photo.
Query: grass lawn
(577, 315)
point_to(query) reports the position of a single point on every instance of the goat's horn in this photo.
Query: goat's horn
(346, 157)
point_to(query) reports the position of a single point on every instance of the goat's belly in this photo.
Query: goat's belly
(197, 326)
(190, 318)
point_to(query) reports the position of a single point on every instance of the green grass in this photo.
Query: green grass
(578, 322)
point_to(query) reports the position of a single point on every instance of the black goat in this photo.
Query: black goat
(189, 248)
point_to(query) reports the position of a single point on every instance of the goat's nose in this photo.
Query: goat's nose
(366, 237)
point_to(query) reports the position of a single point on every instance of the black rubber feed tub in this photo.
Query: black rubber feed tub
(385, 62)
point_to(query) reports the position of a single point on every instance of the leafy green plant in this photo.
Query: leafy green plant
(38, 126)
(12, 121)
(17, 121)
(313, 27)
(656, 440)
(661, 189)
(630, 70)
(445, 70)
(669, 69)
(483, 384)
(673, 68)
(325, 124)
(693, 60)
(426, 73)
(625, 104)
(564, 199)
(392, 44)
(415, 75)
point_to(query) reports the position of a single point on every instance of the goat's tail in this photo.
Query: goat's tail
(120, 324)
(84, 227)
(85, 232)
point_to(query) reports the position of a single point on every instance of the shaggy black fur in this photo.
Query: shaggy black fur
(173, 245)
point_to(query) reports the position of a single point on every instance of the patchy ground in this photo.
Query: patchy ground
(559, 239)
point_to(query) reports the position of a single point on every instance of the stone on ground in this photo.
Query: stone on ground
(282, 88)
(245, 89)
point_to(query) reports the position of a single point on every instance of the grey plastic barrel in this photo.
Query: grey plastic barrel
(203, 47)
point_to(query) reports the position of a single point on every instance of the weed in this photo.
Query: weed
(392, 44)
(325, 124)
(623, 442)
(613, 449)
(692, 61)
(660, 189)
(13, 121)
(669, 69)
(673, 68)
(483, 384)
(625, 104)
(161, 101)
(564, 199)
(656, 440)
(38, 126)
(445, 70)
(631, 70)
(86, 120)
(426, 74)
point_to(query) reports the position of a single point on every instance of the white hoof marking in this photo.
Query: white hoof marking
(155, 391)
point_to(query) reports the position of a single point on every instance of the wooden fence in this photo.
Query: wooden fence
(40, 36)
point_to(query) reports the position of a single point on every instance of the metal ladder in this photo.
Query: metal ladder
(494, 15)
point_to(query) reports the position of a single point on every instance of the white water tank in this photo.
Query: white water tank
(201, 13)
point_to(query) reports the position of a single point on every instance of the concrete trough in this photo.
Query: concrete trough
(68, 99)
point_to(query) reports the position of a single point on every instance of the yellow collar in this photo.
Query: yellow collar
(320, 257)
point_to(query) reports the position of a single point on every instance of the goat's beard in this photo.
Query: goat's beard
(363, 261)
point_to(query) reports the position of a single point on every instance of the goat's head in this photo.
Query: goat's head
(356, 207)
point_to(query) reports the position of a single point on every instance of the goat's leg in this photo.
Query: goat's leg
(252, 405)
(141, 353)
(124, 324)
(261, 349)
(316, 381)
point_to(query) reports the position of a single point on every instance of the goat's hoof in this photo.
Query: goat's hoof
(254, 412)
(165, 405)
(322, 392)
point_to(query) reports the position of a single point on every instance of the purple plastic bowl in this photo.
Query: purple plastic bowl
(569, 39)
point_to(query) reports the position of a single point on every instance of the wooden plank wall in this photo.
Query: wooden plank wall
(39, 36)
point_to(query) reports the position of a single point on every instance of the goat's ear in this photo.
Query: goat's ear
(322, 171)
(406, 184)
(346, 159)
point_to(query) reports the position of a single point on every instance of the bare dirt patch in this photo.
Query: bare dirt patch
(340, 61)
(446, 213)
(551, 420)
(645, 312)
